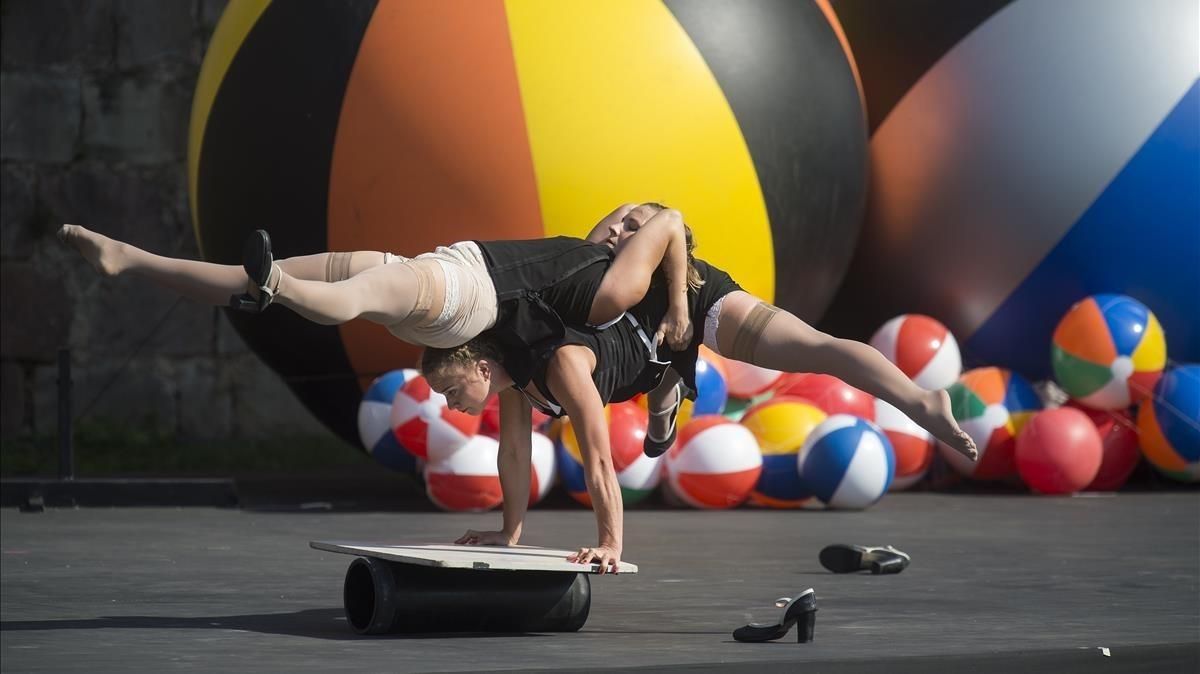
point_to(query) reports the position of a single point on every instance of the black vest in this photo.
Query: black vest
(542, 285)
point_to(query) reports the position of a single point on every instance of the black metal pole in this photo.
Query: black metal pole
(66, 433)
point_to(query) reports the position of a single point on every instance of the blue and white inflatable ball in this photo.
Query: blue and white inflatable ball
(847, 462)
(375, 425)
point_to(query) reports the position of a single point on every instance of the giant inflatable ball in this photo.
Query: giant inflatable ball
(402, 125)
(1026, 154)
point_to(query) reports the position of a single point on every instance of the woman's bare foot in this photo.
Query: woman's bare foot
(103, 253)
(938, 419)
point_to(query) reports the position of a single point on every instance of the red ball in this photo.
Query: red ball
(1119, 438)
(830, 394)
(1059, 451)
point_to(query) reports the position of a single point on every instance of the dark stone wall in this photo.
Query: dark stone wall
(95, 97)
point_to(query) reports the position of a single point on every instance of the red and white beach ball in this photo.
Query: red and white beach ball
(912, 445)
(639, 479)
(922, 348)
(466, 479)
(626, 431)
(489, 418)
(715, 463)
(542, 468)
(425, 426)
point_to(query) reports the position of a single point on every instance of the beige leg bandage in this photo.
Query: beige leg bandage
(337, 267)
(745, 342)
(425, 287)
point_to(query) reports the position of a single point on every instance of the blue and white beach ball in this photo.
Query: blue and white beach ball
(847, 462)
(374, 422)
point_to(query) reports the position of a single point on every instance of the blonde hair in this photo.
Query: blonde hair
(693, 275)
(435, 361)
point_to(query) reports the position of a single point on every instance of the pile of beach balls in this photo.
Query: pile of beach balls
(748, 436)
(793, 440)
(779, 441)
(784, 440)
(409, 428)
(1122, 402)
(1110, 355)
(804, 439)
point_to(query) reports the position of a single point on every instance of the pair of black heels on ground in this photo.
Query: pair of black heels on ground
(801, 610)
(258, 262)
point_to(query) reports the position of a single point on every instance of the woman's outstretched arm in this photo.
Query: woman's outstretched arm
(570, 381)
(513, 463)
(516, 448)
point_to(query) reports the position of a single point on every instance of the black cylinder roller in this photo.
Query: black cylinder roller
(383, 597)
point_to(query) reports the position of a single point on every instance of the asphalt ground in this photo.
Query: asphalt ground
(998, 583)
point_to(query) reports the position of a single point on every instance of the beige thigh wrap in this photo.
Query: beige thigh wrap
(337, 267)
(750, 331)
(469, 303)
(425, 289)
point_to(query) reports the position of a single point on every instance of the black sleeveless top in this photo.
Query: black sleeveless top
(623, 363)
(624, 366)
(542, 285)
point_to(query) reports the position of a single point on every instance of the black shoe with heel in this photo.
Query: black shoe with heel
(800, 611)
(258, 263)
(843, 558)
(654, 448)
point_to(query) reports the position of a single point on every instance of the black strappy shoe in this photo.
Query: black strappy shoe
(258, 263)
(655, 448)
(800, 610)
(843, 558)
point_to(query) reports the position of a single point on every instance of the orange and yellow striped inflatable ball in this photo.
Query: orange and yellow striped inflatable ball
(407, 124)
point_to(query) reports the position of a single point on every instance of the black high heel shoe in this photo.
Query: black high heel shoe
(258, 263)
(800, 610)
(843, 558)
(652, 447)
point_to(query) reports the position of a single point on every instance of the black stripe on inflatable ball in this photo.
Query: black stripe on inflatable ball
(793, 92)
(895, 43)
(265, 163)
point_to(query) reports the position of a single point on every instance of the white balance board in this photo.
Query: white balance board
(480, 557)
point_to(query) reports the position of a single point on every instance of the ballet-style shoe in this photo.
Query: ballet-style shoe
(258, 263)
(800, 611)
(652, 447)
(843, 558)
